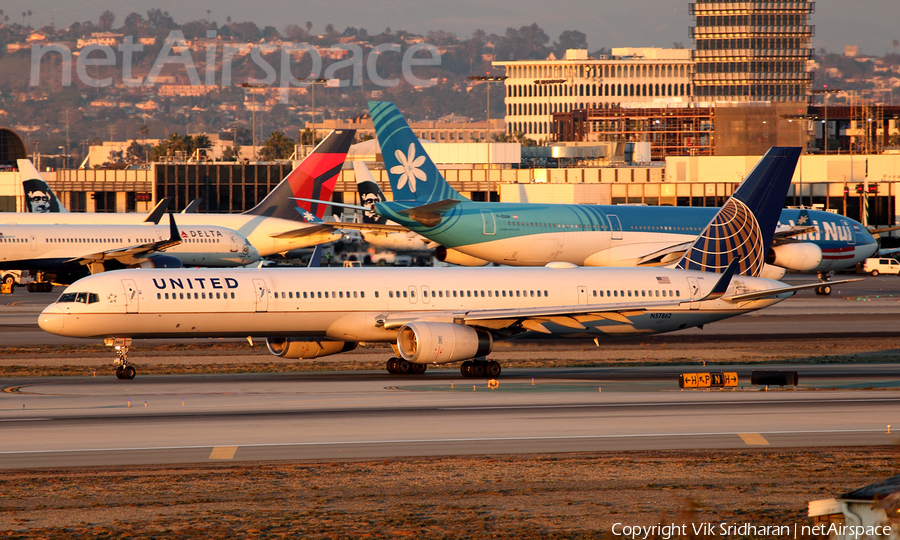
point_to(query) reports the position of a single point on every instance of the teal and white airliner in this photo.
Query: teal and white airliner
(528, 234)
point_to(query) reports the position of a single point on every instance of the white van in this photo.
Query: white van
(881, 266)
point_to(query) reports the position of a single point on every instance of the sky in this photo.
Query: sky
(869, 24)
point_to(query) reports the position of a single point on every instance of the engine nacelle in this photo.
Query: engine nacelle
(796, 256)
(452, 256)
(439, 343)
(161, 261)
(772, 272)
(307, 348)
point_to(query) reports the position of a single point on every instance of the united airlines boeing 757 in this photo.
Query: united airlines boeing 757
(435, 316)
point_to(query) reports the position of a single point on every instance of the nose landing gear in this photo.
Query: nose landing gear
(124, 368)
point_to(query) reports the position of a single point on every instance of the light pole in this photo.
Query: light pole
(252, 92)
(312, 83)
(488, 79)
(825, 91)
(800, 118)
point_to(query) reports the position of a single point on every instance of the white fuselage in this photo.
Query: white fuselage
(200, 245)
(259, 230)
(369, 304)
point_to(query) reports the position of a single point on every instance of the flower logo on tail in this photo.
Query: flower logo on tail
(409, 168)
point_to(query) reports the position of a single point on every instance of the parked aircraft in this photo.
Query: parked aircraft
(435, 316)
(64, 253)
(529, 234)
(272, 226)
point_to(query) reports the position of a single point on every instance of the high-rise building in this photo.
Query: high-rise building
(752, 51)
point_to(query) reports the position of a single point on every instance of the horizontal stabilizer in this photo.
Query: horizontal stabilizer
(775, 292)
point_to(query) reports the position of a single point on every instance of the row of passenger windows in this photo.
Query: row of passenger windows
(412, 294)
(10, 240)
(197, 296)
(555, 225)
(90, 240)
(641, 293)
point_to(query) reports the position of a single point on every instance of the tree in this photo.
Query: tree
(231, 153)
(570, 39)
(106, 20)
(136, 153)
(277, 146)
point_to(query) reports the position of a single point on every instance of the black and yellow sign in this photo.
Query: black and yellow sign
(708, 380)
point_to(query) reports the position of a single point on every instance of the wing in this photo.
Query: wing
(309, 230)
(132, 254)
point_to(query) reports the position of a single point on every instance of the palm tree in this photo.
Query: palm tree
(308, 26)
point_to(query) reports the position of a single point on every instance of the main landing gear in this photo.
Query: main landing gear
(124, 368)
(825, 288)
(480, 368)
(399, 366)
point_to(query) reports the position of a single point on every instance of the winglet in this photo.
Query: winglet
(174, 234)
(718, 290)
(156, 214)
(316, 260)
(193, 206)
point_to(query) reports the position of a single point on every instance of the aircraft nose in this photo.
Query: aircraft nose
(252, 253)
(52, 319)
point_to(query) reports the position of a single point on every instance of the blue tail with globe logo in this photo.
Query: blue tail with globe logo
(412, 174)
(743, 228)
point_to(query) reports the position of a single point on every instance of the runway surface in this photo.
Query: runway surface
(74, 421)
(335, 416)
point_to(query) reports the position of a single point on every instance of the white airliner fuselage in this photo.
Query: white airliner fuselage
(373, 304)
(261, 231)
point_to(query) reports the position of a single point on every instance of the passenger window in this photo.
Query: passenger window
(441, 294)
(354, 294)
(304, 294)
(391, 294)
(629, 294)
(217, 296)
(159, 296)
(376, 294)
(482, 294)
(545, 293)
(677, 292)
(643, 293)
(232, 296)
(532, 293)
(290, 295)
(341, 294)
(362, 294)
(404, 294)
(616, 293)
(167, 296)
(454, 294)
(518, 293)
(489, 294)
(664, 293)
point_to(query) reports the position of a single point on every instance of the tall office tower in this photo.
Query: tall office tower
(752, 51)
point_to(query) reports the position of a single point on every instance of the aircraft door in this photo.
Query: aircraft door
(694, 287)
(33, 243)
(490, 226)
(615, 226)
(262, 295)
(412, 294)
(582, 295)
(851, 235)
(234, 243)
(132, 298)
(426, 295)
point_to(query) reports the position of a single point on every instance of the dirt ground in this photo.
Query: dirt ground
(544, 496)
(232, 356)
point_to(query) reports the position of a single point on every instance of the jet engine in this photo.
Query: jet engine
(796, 256)
(307, 348)
(772, 272)
(161, 261)
(452, 256)
(439, 343)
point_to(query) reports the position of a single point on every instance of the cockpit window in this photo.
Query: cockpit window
(81, 298)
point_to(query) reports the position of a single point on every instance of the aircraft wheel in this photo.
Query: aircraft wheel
(493, 369)
(874, 273)
(826, 290)
(30, 287)
(119, 373)
(48, 287)
(392, 366)
(404, 367)
(478, 369)
(9, 280)
(128, 372)
(466, 368)
(419, 369)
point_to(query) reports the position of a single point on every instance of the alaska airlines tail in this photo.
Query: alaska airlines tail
(314, 178)
(369, 193)
(39, 198)
(413, 175)
(745, 225)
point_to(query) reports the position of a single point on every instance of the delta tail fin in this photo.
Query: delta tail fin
(39, 198)
(745, 225)
(314, 178)
(412, 174)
